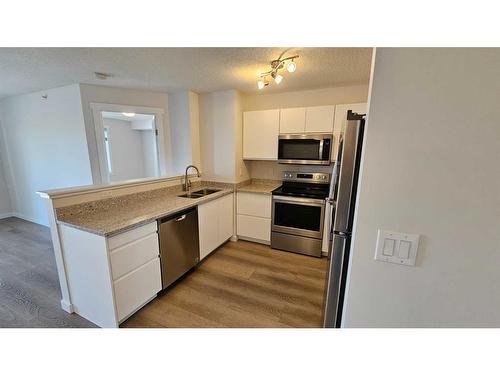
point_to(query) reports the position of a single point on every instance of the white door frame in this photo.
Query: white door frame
(158, 113)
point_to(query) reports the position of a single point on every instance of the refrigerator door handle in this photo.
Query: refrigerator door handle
(332, 315)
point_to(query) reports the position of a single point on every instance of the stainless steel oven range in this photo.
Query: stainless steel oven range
(298, 212)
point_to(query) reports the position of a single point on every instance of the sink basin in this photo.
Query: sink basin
(199, 193)
(205, 191)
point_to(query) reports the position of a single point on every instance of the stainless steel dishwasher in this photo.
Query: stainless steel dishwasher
(179, 244)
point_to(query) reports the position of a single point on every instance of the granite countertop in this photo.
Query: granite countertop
(111, 216)
(260, 186)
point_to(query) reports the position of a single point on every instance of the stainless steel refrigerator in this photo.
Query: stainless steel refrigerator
(343, 199)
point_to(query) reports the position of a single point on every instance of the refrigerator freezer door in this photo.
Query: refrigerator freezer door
(347, 177)
(336, 282)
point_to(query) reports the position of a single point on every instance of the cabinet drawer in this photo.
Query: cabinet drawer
(136, 288)
(254, 204)
(131, 235)
(254, 227)
(134, 254)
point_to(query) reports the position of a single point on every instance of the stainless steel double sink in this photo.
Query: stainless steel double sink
(199, 193)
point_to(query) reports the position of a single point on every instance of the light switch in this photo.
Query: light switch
(395, 247)
(404, 249)
(388, 247)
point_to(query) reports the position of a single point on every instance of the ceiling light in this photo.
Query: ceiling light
(276, 66)
(128, 114)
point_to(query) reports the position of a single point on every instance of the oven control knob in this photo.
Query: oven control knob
(323, 177)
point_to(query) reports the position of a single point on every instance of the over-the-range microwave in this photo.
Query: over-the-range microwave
(305, 149)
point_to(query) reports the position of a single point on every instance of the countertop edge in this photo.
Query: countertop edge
(265, 189)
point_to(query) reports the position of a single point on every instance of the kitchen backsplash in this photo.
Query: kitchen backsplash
(272, 170)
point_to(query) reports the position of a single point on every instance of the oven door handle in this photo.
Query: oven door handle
(281, 198)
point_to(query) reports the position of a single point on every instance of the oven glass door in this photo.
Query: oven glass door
(300, 216)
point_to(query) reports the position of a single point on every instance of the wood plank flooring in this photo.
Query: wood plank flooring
(242, 284)
(29, 287)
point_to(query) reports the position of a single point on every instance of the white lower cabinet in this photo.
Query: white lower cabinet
(251, 227)
(136, 288)
(254, 217)
(135, 268)
(215, 222)
(109, 278)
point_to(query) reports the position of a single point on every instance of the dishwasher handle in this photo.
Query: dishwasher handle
(179, 216)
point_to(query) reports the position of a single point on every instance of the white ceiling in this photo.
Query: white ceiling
(24, 70)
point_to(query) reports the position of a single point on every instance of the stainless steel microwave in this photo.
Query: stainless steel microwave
(305, 149)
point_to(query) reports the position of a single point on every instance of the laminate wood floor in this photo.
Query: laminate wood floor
(29, 287)
(242, 284)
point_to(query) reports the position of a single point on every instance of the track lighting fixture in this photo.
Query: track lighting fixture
(276, 66)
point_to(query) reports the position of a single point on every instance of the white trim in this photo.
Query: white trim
(256, 240)
(28, 218)
(90, 189)
(68, 307)
(345, 308)
(158, 113)
(6, 215)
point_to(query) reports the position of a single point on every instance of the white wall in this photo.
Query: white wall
(184, 125)
(127, 153)
(221, 136)
(46, 147)
(114, 95)
(5, 206)
(304, 98)
(430, 167)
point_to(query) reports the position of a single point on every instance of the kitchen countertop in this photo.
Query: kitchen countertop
(111, 216)
(260, 186)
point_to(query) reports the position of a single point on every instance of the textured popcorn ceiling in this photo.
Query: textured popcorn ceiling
(24, 70)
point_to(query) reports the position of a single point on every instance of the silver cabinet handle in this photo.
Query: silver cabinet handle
(181, 218)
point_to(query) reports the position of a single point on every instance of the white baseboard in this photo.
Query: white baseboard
(27, 218)
(66, 306)
(6, 215)
(249, 239)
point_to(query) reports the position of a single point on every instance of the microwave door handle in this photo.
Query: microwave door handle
(320, 155)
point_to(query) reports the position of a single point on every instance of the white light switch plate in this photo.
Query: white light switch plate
(395, 247)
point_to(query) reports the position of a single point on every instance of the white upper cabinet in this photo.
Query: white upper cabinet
(292, 120)
(320, 119)
(260, 134)
(341, 114)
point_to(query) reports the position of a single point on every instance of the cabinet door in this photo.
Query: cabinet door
(136, 288)
(208, 227)
(258, 228)
(226, 218)
(253, 204)
(320, 119)
(260, 134)
(341, 114)
(292, 120)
